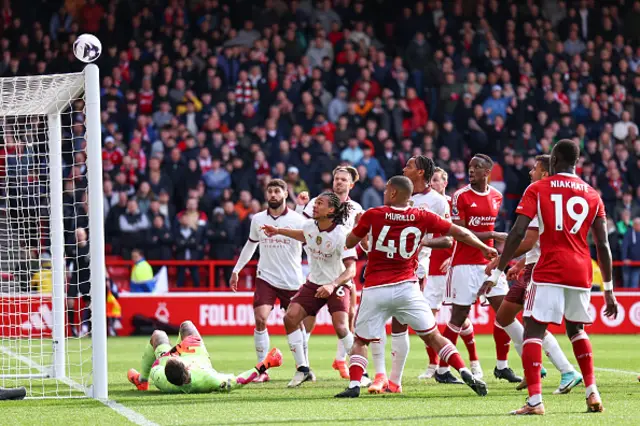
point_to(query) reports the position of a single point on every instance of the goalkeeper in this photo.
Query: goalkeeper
(186, 367)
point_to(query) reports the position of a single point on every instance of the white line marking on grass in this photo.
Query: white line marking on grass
(132, 415)
(613, 370)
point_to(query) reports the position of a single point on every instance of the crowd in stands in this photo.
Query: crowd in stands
(204, 101)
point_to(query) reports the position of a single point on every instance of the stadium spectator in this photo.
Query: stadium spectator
(373, 196)
(223, 240)
(133, 226)
(189, 242)
(161, 240)
(631, 253)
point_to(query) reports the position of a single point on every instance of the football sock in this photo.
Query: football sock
(377, 354)
(502, 341)
(450, 355)
(341, 353)
(305, 345)
(584, 354)
(148, 358)
(357, 367)
(468, 337)
(532, 364)
(515, 330)
(451, 332)
(296, 344)
(347, 342)
(555, 354)
(262, 343)
(399, 352)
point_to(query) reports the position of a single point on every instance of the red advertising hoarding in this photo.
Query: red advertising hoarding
(232, 314)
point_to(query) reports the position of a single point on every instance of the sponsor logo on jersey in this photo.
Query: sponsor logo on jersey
(481, 220)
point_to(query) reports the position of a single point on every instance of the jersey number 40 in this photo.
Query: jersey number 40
(389, 246)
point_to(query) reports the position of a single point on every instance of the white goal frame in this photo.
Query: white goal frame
(57, 99)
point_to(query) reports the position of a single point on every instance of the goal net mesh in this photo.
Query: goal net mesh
(32, 109)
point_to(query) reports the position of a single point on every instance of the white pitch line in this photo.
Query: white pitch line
(613, 370)
(131, 415)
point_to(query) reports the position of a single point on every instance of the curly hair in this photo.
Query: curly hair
(427, 165)
(342, 210)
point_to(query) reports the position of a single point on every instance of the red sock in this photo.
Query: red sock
(357, 367)
(584, 354)
(503, 342)
(469, 338)
(532, 363)
(450, 332)
(433, 356)
(450, 355)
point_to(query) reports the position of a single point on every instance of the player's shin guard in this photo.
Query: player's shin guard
(468, 337)
(556, 354)
(399, 353)
(584, 355)
(532, 364)
(148, 358)
(262, 343)
(503, 342)
(515, 330)
(357, 367)
(450, 355)
(377, 354)
(296, 344)
(451, 332)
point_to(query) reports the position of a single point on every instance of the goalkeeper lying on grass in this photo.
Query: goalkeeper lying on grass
(186, 367)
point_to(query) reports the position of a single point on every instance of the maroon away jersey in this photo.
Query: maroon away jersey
(396, 234)
(566, 207)
(478, 211)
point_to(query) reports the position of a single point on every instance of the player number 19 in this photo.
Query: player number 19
(579, 217)
(389, 247)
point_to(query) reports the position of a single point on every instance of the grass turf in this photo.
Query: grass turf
(313, 403)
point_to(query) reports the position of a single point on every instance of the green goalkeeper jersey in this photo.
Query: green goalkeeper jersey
(204, 378)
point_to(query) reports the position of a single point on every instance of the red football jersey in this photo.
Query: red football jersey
(396, 234)
(438, 256)
(478, 211)
(566, 207)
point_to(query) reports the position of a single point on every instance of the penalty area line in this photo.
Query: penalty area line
(613, 370)
(131, 415)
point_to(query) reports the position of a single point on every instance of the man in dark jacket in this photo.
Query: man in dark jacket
(189, 243)
(222, 239)
(631, 253)
(133, 225)
(161, 241)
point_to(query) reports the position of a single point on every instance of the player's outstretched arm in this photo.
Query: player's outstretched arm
(465, 236)
(530, 240)
(437, 243)
(296, 234)
(601, 239)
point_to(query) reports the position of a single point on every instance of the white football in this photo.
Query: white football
(87, 48)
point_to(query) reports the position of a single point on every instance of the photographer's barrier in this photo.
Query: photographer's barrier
(232, 314)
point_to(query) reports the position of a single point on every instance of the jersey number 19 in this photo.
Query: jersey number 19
(579, 217)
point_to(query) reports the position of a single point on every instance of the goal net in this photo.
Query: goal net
(52, 283)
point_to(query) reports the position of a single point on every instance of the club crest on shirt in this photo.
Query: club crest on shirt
(496, 204)
(328, 245)
(318, 240)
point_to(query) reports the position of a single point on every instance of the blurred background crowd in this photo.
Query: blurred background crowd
(205, 101)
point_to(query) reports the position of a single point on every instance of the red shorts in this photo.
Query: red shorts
(337, 302)
(518, 290)
(266, 294)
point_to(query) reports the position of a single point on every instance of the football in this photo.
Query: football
(87, 48)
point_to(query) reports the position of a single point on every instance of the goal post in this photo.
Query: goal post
(52, 272)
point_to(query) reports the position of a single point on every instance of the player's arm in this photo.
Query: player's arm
(484, 235)
(601, 239)
(360, 231)
(468, 237)
(344, 278)
(437, 243)
(530, 240)
(245, 255)
(296, 234)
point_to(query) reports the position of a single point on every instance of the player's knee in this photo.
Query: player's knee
(187, 328)
(459, 314)
(573, 328)
(158, 337)
(261, 323)
(341, 330)
(502, 318)
(291, 322)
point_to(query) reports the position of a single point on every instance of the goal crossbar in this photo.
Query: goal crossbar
(38, 96)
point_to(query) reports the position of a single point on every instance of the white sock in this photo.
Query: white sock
(341, 353)
(555, 354)
(377, 355)
(346, 342)
(296, 344)
(535, 399)
(502, 364)
(442, 370)
(307, 336)
(515, 330)
(262, 344)
(399, 353)
(592, 389)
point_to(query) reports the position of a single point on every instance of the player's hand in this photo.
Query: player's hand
(233, 282)
(500, 237)
(445, 265)
(489, 253)
(491, 265)
(513, 273)
(270, 230)
(486, 287)
(422, 283)
(612, 304)
(325, 291)
(303, 198)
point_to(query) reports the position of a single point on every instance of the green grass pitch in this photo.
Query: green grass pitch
(313, 403)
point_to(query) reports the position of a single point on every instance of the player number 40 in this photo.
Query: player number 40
(389, 247)
(572, 202)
